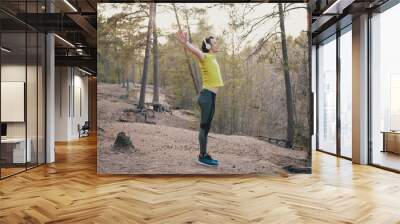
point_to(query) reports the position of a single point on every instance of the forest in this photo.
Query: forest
(264, 67)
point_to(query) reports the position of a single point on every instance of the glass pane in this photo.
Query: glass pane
(314, 90)
(327, 96)
(31, 98)
(13, 87)
(385, 86)
(346, 93)
(23, 89)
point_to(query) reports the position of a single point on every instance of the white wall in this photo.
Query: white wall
(61, 103)
(80, 88)
(12, 73)
(70, 83)
(34, 124)
(12, 100)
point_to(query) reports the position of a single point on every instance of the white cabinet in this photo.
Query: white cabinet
(19, 154)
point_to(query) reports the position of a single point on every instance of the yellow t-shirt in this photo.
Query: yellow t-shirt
(210, 73)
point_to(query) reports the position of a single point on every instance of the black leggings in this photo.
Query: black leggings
(206, 101)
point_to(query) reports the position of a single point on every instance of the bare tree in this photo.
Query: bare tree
(156, 100)
(285, 63)
(192, 74)
(193, 13)
(146, 58)
(280, 13)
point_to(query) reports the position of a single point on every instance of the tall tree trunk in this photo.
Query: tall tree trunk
(127, 80)
(146, 58)
(123, 76)
(126, 72)
(285, 61)
(119, 73)
(194, 64)
(196, 86)
(155, 64)
(133, 75)
(106, 66)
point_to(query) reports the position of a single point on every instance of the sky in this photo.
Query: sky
(295, 22)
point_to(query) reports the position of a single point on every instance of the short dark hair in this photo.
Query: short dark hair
(203, 45)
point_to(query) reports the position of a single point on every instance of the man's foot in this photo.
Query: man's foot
(207, 160)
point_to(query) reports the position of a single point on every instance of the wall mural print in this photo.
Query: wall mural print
(198, 88)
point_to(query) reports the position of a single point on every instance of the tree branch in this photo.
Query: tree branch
(294, 8)
(262, 42)
(262, 19)
(120, 16)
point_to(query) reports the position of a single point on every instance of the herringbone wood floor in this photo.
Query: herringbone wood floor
(70, 191)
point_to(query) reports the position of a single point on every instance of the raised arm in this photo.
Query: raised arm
(183, 39)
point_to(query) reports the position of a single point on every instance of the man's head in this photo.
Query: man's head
(209, 45)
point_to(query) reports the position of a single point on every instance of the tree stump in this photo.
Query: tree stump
(123, 143)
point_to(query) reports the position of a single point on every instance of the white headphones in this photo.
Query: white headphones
(208, 46)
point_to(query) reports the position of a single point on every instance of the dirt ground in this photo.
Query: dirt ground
(170, 146)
